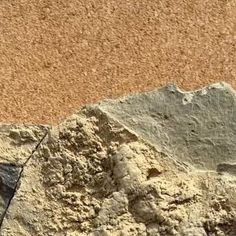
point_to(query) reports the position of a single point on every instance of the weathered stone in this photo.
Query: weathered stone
(17, 143)
(149, 164)
(198, 128)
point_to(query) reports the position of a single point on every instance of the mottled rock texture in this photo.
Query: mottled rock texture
(17, 143)
(157, 163)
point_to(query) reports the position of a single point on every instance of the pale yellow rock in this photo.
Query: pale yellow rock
(92, 176)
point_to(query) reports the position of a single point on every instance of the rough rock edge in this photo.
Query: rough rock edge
(172, 87)
(16, 137)
(122, 110)
(215, 86)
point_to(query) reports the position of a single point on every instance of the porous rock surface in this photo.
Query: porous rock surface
(157, 163)
(17, 143)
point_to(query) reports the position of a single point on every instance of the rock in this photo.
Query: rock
(197, 128)
(9, 176)
(17, 143)
(133, 167)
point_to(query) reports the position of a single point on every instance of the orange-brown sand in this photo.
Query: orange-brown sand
(57, 55)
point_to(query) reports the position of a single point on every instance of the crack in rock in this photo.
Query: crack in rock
(15, 140)
(157, 163)
(196, 128)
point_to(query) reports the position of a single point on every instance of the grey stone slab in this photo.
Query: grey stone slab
(198, 128)
(98, 173)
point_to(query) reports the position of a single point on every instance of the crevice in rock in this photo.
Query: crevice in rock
(14, 186)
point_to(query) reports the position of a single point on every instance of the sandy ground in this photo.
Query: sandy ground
(56, 55)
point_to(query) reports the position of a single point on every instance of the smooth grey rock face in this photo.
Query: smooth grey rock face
(98, 173)
(198, 127)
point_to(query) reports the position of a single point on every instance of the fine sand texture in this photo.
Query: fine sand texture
(57, 55)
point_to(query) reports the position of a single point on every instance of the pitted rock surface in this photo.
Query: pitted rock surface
(18, 141)
(111, 169)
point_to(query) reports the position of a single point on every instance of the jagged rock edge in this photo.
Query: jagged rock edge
(20, 174)
(221, 85)
(181, 165)
(173, 87)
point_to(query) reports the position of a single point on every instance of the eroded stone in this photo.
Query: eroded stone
(17, 143)
(111, 169)
(198, 128)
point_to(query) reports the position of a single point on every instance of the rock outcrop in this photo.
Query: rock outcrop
(157, 163)
(17, 144)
